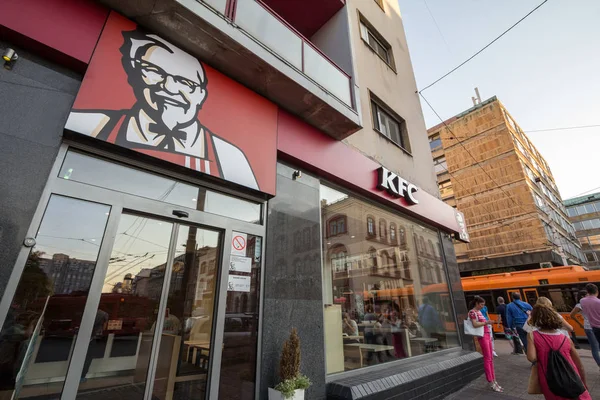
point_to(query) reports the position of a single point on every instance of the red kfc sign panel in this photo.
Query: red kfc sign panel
(143, 93)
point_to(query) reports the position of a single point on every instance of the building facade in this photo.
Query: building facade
(584, 213)
(187, 181)
(488, 169)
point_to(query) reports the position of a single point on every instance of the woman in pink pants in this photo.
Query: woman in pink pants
(485, 342)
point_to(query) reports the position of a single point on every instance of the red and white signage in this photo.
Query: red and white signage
(144, 93)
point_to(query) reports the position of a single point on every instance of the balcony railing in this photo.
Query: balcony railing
(257, 19)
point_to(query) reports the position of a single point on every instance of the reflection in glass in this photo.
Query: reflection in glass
(118, 354)
(387, 288)
(37, 339)
(240, 335)
(95, 171)
(185, 351)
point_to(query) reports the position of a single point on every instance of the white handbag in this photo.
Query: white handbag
(471, 330)
(527, 328)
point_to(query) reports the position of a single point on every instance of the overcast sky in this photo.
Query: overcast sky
(546, 71)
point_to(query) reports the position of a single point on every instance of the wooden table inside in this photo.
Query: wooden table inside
(354, 337)
(370, 347)
(196, 345)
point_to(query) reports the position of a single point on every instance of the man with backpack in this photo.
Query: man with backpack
(517, 313)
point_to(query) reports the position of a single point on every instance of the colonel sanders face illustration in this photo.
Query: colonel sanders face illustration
(170, 87)
(169, 84)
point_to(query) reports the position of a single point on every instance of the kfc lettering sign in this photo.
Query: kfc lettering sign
(396, 186)
(143, 93)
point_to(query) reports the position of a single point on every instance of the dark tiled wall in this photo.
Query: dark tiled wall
(293, 291)
(460, 306)
(35, 101)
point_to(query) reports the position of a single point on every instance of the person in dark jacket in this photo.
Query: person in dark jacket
(517, 314)
(501, 310)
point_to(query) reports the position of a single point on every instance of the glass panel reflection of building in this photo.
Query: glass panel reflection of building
(384, 278)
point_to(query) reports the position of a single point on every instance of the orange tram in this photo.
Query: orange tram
(561, 285)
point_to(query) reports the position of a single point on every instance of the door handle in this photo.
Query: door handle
(181, 214)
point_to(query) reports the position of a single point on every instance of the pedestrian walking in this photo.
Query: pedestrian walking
(508, 333)
(590, 305)
(517, 313)
(559, 367)
(566, 328)
(485, 342)
(587, 328)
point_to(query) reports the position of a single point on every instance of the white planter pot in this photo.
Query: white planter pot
(276, 395)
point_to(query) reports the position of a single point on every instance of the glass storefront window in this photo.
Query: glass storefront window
(385, 291)
(95, 171)
(39, 332)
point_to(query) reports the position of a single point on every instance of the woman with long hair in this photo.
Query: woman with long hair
(549, 337)
(566, 328)
(485, 342)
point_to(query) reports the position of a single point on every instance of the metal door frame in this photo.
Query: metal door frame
(537, 295)
(130, 204)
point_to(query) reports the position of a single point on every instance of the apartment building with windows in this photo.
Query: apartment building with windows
(584, 213)
(188, 180)
(490, 170)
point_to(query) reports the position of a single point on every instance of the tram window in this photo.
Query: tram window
(489, 302)
(562, 300)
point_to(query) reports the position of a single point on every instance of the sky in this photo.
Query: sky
(546, 71)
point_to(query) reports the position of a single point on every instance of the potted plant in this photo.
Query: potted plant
(293, 383)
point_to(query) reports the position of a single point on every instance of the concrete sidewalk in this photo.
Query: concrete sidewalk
(512, 373)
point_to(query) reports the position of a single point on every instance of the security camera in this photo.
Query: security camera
(9, 56)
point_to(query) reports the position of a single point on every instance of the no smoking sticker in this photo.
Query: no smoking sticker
(238, 244)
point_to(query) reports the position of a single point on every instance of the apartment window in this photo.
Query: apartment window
(382, 229)
(370, 226)
(435, 142)
(337, 225)
(392, 127)
(440, 165)
(393, 233)
(446, 189)
(376, 42)
(380, 4)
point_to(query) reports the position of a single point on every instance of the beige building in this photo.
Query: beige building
(584, 213)
(489, 169)
(393, 131)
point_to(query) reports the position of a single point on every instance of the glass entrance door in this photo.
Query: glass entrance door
(40, 328)
(119, 350)
(122, 294)
(186, 347)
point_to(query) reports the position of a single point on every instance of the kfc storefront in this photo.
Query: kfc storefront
(188, 223)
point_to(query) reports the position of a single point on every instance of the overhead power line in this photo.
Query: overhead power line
(485, 47)
(586, 192)
(527, 214)
(564, 129)
(437, 26)
(530, 214)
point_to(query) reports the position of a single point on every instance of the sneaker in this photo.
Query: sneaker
(495, 354)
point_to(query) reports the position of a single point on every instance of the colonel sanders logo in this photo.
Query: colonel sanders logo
(170, 87)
